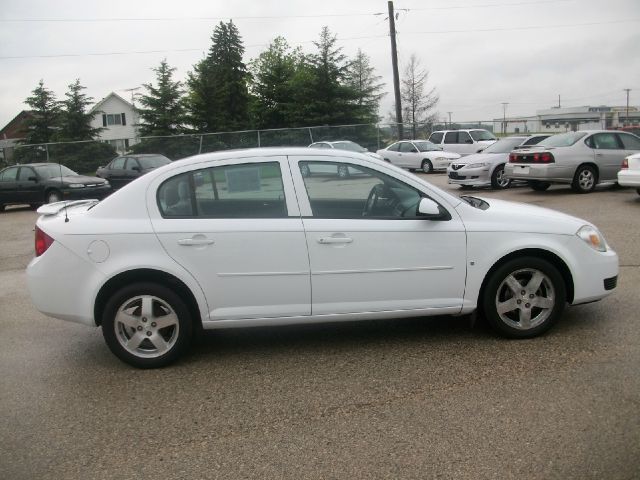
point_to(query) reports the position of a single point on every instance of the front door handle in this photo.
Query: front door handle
(195, 241)
(334, 240)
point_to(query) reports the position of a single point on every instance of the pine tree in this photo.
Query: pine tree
(218, 95)
(272, 85)
(45, 114)
(162, 109)
(331, 100)
(367, 87)
(75, 119)
(417, 105)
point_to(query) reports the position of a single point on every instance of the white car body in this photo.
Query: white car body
(629, 175)
(417, 154)
(478, 169)
(298, 267)
(464, 142)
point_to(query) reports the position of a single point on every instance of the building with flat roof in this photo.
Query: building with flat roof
(564, 119)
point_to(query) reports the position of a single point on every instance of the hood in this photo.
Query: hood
(505, 216)
(77, 179)
(483, 157)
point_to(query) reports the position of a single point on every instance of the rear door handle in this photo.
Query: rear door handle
(333, 240)
(195, 241)
(599, 154)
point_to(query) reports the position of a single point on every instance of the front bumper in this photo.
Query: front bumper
(86, 193)
(469, 176)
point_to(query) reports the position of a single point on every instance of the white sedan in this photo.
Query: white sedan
(629, 175)
(242, 239)
(417, 154)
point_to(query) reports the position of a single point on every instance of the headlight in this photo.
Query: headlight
(76, 185)
(478, 165)
(592, 237)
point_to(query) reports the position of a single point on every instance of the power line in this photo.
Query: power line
(263, 17)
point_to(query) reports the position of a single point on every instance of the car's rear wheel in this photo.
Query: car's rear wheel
(539, 186)
(498, 179)
(585, 179)
(146, 325)
(524, 297)
(53, 196)
(427, 166)
(637, 191)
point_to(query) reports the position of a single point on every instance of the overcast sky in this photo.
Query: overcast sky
(480, 53)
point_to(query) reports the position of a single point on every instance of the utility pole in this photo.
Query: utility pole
(396, 76)
(626, 120)
(449, 118)
(504, 117)
(558, 100)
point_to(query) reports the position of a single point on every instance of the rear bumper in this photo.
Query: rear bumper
(527, 171)
(629, 178)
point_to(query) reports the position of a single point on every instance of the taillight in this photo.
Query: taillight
(625, 163)
(544, 157)
(43, 242)
(513, 158)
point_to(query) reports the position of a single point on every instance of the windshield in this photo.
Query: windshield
(427, 146)
(504, 145)
(351, 146)
(479, 135)
(52, 171)
(153, 162)
(562, 139)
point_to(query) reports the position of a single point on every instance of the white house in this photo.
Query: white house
(118, 119)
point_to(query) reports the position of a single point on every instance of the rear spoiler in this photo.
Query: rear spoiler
(57, 207)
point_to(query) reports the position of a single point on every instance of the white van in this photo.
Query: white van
(464, 142)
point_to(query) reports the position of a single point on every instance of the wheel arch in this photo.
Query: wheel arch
(591, 164)
(551, 257)
(147, 275)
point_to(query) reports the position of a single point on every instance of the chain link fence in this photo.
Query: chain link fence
(85, 157)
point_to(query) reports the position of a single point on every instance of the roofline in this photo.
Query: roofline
(112, 94)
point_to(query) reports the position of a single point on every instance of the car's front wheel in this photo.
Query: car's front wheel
(53, 196)
(146, 325)
(427, 166)
(498, 179)
(524, 297)
(585, 179)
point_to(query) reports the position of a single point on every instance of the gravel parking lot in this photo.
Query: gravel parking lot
(412, 398)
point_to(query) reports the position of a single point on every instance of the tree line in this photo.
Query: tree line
(282, 87)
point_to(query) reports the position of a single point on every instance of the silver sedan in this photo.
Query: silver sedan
(582, 159)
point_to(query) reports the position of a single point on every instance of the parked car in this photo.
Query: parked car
(124, 169)
(582, 159)
(38, 183)
(629, 175)
(464, 142)
(242, 238)
(487, 167)
(342, 171)
(417, 154)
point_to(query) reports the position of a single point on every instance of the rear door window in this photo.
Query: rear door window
(407, 147)
(118, 163)
(451, 137)
(630, 142)
(605, 141)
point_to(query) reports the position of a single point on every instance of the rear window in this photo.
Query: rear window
(234, 191)
(562, 139)
(504, 145)
(153, 162)
(479, 135)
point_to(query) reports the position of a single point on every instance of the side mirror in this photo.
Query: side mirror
(135, 169)
(32, 179)
(431, 210)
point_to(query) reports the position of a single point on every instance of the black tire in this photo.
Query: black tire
(498, 181)
(585, 179)
(163, 305)
(427, 166)
(528, 314)
(539, 186)
(1, 207)
(637, 191)
(34, 206)
(53, 196)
